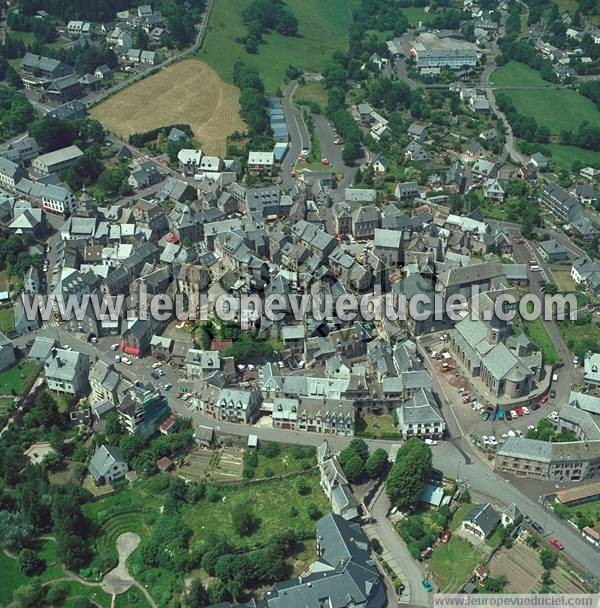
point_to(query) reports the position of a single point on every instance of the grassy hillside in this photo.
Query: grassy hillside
(323, 28)
(515, 74)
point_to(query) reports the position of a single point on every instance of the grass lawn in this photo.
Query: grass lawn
(18, 377)
(376, 426)
(589, 509)
(557, 109)
(563, 280)
(271, 503)
(452, 563)
(537, 332)
(311, 92)
(77, 590)
(580, 338)
(7, 321)
(414, 15)
(515, 74)
(12, 578)
(565, 156)
(323, 28)
(284, 463)
(133, 597)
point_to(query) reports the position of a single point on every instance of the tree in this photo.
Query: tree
(354, 467)
(406, 480)
(376, 463)
(15, 531)
(31, 596)
(548, 558)
(302, 486)
(197, 596)
(29, 563)
(243, 519)
(313, 511)
(271, 449)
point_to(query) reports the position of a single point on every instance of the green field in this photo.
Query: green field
(537, 333)
(18, 377)
(12, 577)
(580, 338)
(557, 109)
(565, 156)
(323, 28)
(271, 503)
(414, 14)
(515, 74)
(7, 322)
(370, 425)
(284, 462)
(453, 563)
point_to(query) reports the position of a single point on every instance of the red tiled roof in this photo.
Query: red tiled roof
(220, 345)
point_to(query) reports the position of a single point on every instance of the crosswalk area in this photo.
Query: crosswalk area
(50, 324)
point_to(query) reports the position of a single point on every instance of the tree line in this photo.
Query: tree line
(260, 16)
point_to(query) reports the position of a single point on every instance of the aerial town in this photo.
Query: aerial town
(299, 302)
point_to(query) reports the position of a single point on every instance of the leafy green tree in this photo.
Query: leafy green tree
(15, 531)
(548, 558)
(271, 449)
(29, 563)
(354, 467)
(244, 520)
(376, 463)
(407, 477)
(197, 596)
(495, 584)
(31, 596)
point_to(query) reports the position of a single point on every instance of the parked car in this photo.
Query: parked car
(154, 375)
(167, 386)
(543, 399)
(427, 585)
(186, 396)
(537, 527)
(519, 411)
(557, 544)
(446, 536)
(519, 433)
(499, 415)
(552, 394)
(535, 406)
(467, 399)
(156, 365)
(513, 414)
(493, 441)
(67, 347)
(485, 416)
(526, 411)
(114, 346)
(531, 427)
(161, 372)
(485, 440)
(511, 433)
(117, 359)
(431, 442)
(125, 360)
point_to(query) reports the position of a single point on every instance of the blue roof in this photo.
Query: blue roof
(280, 150)
(432, 495)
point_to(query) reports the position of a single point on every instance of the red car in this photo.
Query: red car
(519, 411)
(467, 399)
(446, 536)
(543, 399)
(557, 544)
(519, 242)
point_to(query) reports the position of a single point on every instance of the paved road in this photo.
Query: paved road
(299, 137)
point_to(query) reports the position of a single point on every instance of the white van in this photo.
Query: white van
(534, 268)
(554, 377)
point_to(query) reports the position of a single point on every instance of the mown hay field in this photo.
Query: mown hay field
(189, 92)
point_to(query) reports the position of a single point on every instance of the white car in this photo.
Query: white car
(114, 346)
(117, 359)
(126, 360)
(511, 433)
(513, 414)
(431, 442)
(280, 364)
(526, 411)
(186, 396)
(167, 386)
(156, 365)
(519, 433)
(67, 347)
(531, 427)
(161, 372)
(493, 440)
(554, 414)
(485, 440)
(504, 435)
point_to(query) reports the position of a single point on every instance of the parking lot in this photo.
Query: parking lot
(470, 408)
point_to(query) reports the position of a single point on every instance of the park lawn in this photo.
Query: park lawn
(565, 156)
(271, 503)
(557, 109)
(515, 74)
(133, 597)
(322, 29)
(95, 594)
(283, 463)
(7, 320)
(536, 331)
(18, 377)
(12, 578)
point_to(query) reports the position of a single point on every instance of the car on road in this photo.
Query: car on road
(526, 410)
(520, 242)
(543, 399)
(552, 394)
(427, 585)
(156, 365)
(499, 415)
(557, 544)
(537, 527)
(325, 162)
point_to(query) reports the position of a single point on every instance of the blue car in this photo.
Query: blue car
(500, 415)
(427, 585)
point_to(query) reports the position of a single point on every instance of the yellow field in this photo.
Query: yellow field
(189, 92)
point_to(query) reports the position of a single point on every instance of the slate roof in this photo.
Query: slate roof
(484, 517)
